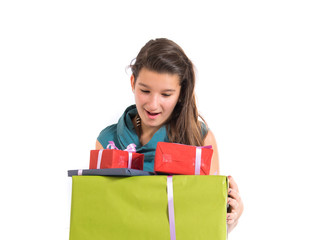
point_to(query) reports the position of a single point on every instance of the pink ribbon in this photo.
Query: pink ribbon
(130, 149)
(198, 159)
(171, 213)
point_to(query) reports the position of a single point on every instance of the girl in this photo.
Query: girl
(163, 82)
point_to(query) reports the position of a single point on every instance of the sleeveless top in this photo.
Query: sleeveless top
(123, 133)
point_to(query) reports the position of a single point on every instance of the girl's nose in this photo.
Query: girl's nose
(153, 102)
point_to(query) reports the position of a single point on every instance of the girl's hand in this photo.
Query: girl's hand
(234, 200)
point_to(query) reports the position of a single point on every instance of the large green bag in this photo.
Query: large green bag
(137, 207)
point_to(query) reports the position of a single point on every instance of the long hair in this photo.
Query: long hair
(165, 56)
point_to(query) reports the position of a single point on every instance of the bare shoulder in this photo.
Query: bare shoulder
(98, 145)
(211, 140)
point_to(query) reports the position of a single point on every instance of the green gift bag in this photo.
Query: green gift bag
(137, 207)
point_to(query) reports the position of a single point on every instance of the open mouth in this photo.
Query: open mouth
(152, 115)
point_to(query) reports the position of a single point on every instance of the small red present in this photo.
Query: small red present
(115, 158)
(173, 158)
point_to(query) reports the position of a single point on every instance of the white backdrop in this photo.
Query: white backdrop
(63, 79)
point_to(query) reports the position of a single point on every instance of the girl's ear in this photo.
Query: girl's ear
(132, 82)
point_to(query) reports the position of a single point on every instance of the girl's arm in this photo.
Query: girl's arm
(234, 198)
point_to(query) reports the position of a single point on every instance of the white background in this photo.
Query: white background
(63, 79)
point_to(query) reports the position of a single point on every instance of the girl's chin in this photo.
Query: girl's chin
(152, 123)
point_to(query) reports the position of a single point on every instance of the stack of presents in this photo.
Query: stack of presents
(116, 199)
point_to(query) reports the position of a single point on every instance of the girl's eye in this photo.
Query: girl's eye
(144, 91)
(166, 95)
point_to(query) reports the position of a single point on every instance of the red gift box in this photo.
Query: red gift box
(176, 158)
(112, 158)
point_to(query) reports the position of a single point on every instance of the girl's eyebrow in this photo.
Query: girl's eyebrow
(165, 90)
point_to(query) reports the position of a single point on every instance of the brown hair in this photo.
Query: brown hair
(165, 56)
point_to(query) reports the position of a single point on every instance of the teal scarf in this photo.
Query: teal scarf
(123, 133)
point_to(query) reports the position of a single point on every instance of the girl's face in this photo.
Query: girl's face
(156, 95)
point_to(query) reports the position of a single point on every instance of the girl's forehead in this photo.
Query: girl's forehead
(148, 78)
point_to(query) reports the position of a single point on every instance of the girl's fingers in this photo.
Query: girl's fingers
(233, 203)
(234, 200)
(232, 183)
(231, 217)
(230, 221)
(234, 194)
